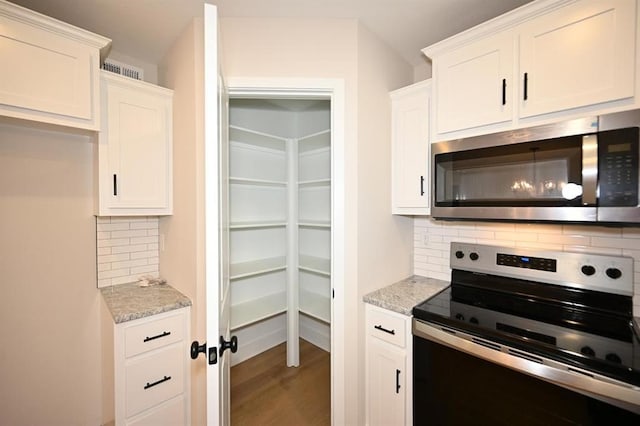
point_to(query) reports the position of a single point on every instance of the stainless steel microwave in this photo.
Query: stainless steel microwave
(583, 170)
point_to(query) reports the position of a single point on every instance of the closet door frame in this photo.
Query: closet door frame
(334, 91)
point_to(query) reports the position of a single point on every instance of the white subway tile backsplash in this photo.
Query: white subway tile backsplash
(432, 238)
(129, 233)
(127, 248)
(130, 248)
(116, 226)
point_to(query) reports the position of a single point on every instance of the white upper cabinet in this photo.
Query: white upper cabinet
(410, 149)
(49, 70)
(475, 84)
(579, 55)
(135, 148)
(544, 61)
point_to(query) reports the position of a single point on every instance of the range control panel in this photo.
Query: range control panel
(611, 274)
(529, 262)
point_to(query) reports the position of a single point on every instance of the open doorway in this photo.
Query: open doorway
(280, 209)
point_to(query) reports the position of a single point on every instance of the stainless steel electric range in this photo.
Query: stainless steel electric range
(528, 337)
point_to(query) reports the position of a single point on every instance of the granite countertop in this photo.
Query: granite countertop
(128, 302)
(402, 296)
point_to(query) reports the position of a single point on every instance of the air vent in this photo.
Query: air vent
(123, 69)
(486, 344)
(526, 356)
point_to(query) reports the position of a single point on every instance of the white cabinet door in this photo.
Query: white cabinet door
(135, 150)
(580, 55)
(410, 149)
(49, 71)
(389, 367)
(473, 84)
(387, 377)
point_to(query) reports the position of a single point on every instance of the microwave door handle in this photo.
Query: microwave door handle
(589, 169)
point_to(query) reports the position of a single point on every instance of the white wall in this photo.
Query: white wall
(384, 240)
(432, 238)
(317, 48)
(182, 260)
(50, 357)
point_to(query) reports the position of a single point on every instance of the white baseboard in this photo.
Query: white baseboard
(259, 337)
(315, 332)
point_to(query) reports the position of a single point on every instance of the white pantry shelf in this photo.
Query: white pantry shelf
(314, 264)
(252, 137)
(257, 267)
(256, 182)
(280, 223)
(314, 224)
(314, 182)
(315, 306)
(247, 313)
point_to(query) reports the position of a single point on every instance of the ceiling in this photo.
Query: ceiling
(145, 29)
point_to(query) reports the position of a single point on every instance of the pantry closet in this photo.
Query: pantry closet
(280, 224)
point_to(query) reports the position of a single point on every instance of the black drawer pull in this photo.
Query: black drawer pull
(147, 339)
(421, 185)
(150, 385)
(381, 328)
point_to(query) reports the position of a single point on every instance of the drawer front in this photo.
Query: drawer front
(171, 413)
(153, 379)
(154, 334)
(387, 327)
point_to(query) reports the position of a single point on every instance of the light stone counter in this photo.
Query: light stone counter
(402, 296)
(128, 302)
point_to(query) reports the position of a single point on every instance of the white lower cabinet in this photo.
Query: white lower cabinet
(388, 367)
(151, 370)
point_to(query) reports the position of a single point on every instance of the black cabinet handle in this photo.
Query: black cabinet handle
(397, 381)
(150, 385)
(115, 184)
(148, 339)
(421, 185)
(504, 91)
(381, 328)
(526, 86)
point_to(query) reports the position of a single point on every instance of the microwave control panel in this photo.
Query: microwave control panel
(618, 168)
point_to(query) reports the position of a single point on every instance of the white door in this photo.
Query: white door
(216, 225)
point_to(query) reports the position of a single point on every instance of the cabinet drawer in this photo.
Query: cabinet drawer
(153, 379)
(386, 326)
(170, 413)
(153, 334)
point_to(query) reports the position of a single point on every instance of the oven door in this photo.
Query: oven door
(460, 381)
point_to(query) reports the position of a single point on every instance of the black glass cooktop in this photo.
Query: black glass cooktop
(591, 330)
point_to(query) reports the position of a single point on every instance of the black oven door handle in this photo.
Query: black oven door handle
(549, 370)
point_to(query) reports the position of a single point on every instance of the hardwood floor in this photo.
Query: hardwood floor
(264, 391)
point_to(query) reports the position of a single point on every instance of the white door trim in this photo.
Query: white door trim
(334, 90)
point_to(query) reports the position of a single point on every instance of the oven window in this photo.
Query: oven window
(537, 174)
(453, 388)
